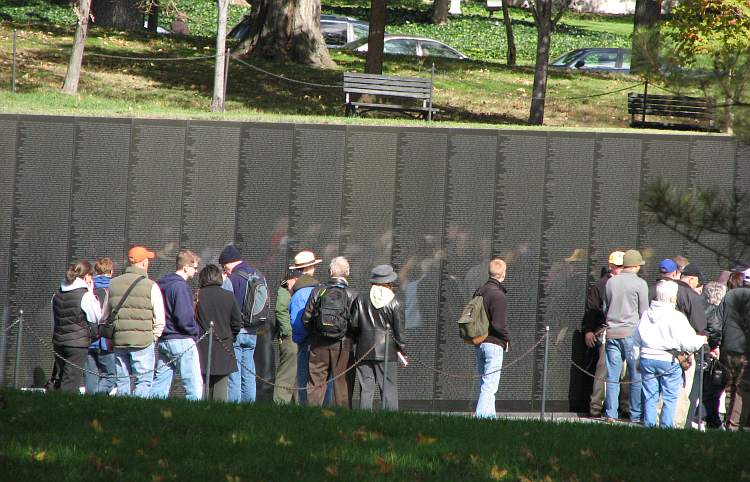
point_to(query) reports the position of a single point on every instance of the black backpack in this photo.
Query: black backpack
(256, 304)
(331, 319)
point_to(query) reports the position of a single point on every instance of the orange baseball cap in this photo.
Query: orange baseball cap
(139, 253)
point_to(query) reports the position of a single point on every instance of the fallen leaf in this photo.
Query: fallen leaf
(153, 442)
(116, 441)
(384, 467)
(449, 457)
(157, 478)
(527, 453)
(497, 473)
(166, 413)
(96, 425)
(163, 463)
(40, 456)
(232, 478)
(283, 441)
(332, 470)
(587, 452)
(474, 459)
(329, 413)
(424, 440)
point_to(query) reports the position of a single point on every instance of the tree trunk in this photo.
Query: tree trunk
(541, 66)
(440, 11)
(124, 14)
(153, 16)
(70, 86)
(509, 34)
(645, 46)
(287, 30)
(375, 39)
(217, 103)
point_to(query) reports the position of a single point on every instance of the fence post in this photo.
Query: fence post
(385, 368)
(19, 341)
(544, 375)
(699, 407)
(645, 100)
(13, 74)
(208, 360)
(226, 77)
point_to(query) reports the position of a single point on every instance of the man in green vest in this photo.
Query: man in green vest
(138, 308)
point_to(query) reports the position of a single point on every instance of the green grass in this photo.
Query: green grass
(63, 437)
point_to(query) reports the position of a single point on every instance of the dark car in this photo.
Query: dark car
(595, 59)
(337, 30)
(409, 45)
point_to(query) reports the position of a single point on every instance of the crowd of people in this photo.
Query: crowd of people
(649, 338)
(129, 334)
(132, 334)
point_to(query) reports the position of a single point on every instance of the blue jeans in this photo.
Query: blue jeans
(102, 362)
(618, 351)
(241, 384)
(489, 363)
(138, 362)
(185, 353)
(660, 377)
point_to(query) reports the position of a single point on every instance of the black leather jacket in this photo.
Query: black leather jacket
(313, 300)
(369, 328)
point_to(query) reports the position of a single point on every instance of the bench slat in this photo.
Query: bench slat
(391, 93)
(407, 87)
(394, 107)
(667, 104)
(356, 76)
(657, 108)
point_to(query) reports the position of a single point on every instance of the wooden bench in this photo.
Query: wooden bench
(698, 108)
(417, 88)
(494, 6)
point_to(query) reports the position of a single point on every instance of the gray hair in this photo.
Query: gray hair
(339, 267)
(714, 292)
(666, 291)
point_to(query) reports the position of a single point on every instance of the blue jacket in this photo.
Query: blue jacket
(239, 286)
(302, 291)
(179, 308)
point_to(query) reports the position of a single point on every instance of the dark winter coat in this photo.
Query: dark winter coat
(71, 327)
(689, 303)
(493, 293)
(369, 328)
(594, 318)
(312, 302)
(218, 305)
(734, 313)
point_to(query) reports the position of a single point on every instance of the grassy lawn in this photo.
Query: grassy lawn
(479, 92)
(64, 437)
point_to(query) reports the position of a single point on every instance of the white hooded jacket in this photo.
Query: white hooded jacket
(664, 328)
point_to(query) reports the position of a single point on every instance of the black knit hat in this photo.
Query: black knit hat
(229, 254)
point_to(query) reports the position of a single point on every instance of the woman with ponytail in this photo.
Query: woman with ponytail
(76, 313)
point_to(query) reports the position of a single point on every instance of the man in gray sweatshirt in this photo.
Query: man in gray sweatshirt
(626, 299)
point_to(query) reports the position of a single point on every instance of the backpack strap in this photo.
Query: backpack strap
(114, 311)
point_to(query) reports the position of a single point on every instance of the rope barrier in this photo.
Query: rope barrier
(477, 376)
(312, 84)
(596, 95)
(152, 59)
(9, 327)
(284, 387)
(110, 377)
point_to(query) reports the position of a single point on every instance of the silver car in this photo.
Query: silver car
(595, 59)
(409, 45)
(338, 30)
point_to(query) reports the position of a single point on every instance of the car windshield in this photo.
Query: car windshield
(438, 50)
(360, 30)
(402, 46)
(600, 60)
(356, 44)
(333, 32)
(567, 58)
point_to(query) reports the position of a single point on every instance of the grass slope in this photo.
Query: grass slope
(63, 437)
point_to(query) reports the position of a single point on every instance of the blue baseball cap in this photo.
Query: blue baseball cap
(667, 266)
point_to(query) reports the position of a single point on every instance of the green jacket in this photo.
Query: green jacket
(134, 324)
(283, 324)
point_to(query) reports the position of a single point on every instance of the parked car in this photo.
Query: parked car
(337, 30)
(409, 45)
(595, 59)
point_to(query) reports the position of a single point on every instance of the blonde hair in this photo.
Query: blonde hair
(104, 266)
(185, 257)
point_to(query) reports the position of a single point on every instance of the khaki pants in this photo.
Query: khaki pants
(334, 358)
(286, 372)
(683, 399)
(737, 387)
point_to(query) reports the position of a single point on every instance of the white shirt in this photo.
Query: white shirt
(664, 328)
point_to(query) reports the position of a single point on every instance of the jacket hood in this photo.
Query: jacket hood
(304, 281)
(381, 296)
(102, 281)
(76, 284)
(170, 279)
(654, 313)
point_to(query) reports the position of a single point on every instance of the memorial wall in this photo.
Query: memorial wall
(435, 202)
